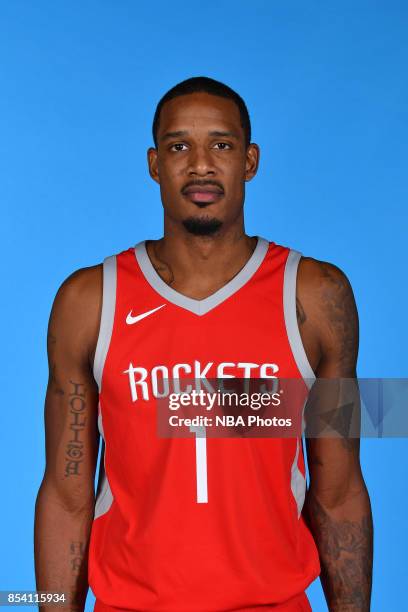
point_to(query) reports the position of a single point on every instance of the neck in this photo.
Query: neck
(199, 265)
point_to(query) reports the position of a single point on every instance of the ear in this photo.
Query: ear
(152, 163)
(252, 161)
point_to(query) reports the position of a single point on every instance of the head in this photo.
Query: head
(203, 155)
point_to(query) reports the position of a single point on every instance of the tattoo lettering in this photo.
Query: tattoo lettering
(77, 552)
(75, 447)
(78, 580)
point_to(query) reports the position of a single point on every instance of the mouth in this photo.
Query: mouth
(200, 194)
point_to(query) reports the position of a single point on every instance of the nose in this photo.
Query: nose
(200, 162)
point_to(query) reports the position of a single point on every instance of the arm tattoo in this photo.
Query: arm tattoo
(78, 566)
(345, 550)
(75, 447)
(338, 303)
(300, 313)
(77, 551)
(162, 268)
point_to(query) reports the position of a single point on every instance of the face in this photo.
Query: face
(201, 162)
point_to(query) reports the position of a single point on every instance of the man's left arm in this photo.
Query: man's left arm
(337, 506)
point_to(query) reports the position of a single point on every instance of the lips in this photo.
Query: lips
(203, 194)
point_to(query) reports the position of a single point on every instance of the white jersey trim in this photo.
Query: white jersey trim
(292, 328)
(107, 317)
(201, 307)
(297, 481)
(104, 497)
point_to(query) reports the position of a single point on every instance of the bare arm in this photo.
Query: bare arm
(65, 501)
(337, 505)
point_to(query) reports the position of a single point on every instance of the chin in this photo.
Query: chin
(202, 225)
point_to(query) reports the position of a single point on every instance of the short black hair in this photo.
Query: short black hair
(210, 86)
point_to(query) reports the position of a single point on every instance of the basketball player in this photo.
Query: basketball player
(198, 524)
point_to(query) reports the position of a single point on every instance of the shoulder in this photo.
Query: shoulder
(76, 311)
(81, 288)
(323, 279)
(326, 303)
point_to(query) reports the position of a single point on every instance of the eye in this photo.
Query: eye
(178, 147)
(222, 146)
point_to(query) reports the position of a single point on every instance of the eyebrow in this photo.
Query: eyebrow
(213, 133)
(178, 134)
(222, 134)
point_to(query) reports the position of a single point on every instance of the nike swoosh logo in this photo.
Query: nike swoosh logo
(130, 319)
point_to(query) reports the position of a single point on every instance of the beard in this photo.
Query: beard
(202, 226)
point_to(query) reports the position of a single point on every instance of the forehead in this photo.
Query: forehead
(199, 111)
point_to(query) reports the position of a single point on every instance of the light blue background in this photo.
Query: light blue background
(327, 90)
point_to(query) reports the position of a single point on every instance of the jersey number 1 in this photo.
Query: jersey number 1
(201, 463)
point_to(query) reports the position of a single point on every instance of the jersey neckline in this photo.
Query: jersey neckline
(200, 307)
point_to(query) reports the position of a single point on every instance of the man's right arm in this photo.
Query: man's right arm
(66, 499)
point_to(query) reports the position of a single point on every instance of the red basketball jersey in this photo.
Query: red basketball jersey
(197, 524)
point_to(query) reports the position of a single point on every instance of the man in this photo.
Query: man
(196, 524)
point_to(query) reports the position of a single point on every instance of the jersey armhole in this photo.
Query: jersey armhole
(292, 328)
(107, 317)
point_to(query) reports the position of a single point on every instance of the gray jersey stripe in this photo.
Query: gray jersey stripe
(104, 497)
(292, 328)
(298, 481)
(107, 317)
(200, 307)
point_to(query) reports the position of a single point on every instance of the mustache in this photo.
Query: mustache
(202, 183)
